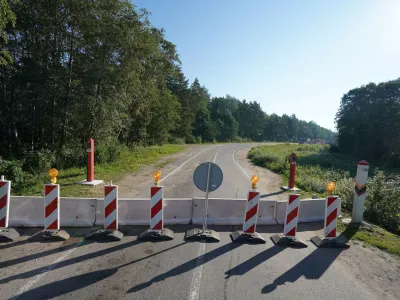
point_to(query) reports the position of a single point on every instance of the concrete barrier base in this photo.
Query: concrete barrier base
(105, 235)
(161, 235)
(8, 234)
(55, 236)
(284, 241)
(243, 237)
(198, 234)
(339, 242)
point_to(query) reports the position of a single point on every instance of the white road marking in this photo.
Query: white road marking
(233, 156)
(194, 292)
(217, 154)
(183, 164)
(43, 272)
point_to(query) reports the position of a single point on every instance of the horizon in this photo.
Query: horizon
(283, 54)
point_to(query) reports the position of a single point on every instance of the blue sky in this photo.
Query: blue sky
(290, 56)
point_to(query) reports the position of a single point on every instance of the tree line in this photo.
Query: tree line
(70, 70)
(368, 122)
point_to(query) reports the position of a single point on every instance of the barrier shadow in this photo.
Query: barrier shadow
(253, 262)
(65, 286)
(187, 266)
(81, 259)
(312, 267)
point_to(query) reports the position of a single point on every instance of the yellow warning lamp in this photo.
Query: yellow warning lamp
(53, 173)
(331, 187)
(254, 180)
(157, 176)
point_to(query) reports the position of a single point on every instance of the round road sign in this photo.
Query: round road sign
(200, 177)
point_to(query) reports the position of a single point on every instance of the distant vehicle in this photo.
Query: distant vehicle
(302, 140)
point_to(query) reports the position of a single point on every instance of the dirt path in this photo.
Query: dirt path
(130, 185)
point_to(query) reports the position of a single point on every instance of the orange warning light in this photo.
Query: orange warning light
(157, 176)
(53, 173)
(254, 180)
(331, 187)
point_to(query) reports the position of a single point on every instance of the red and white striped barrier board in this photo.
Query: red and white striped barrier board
(111, 207)
(250, 220)
(51, 207)
(156, 208)
(331, 214)
(292, 214)
(5, 188)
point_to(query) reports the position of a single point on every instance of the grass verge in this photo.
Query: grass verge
(129, 161)
(373, 235)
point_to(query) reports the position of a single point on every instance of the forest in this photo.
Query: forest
(70, 70)
(368, 122)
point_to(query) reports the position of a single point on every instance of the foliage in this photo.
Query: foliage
(317, 165)
(368, 122)
(100, 69)
(7, 17)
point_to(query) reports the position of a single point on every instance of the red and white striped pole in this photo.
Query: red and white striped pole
(110, 231)
(111, 207)
(292, 214)
(157, 230)
(156, 208)
(331, 215)
(329, 239)
(290, 227)
(51, 207)
(249, 233)
(5, 191)
(250, 217)
(6, 234)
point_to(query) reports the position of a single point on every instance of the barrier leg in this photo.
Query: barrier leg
(288, 238)
(157, 230)
(110, 231)
(6, 234)
(51, 230)
(330, 240)
(249, 234)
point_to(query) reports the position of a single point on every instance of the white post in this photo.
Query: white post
(360, 192)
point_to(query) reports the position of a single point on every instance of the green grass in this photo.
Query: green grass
(375, 236)
(128, 162)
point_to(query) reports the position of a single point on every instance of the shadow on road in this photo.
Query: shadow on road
(82, 258)
(253, 262)
(65, 286)
(311, 267)
(187, 266)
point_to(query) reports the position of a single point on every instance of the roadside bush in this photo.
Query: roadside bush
(107, 152)
(12, 170)
(36, 162)
(70, 157)
(383, 202)
(176, 140)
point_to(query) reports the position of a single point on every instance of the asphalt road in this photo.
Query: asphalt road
(78, 269)
(177, 177)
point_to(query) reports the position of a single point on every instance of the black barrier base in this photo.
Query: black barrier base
(284, 241)
(150, 235)
(8, 234)
(242, 237)
(339, 242)
(105, 235)
(56, 236)
(198, 234)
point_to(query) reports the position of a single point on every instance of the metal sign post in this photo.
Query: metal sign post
(207, 177)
